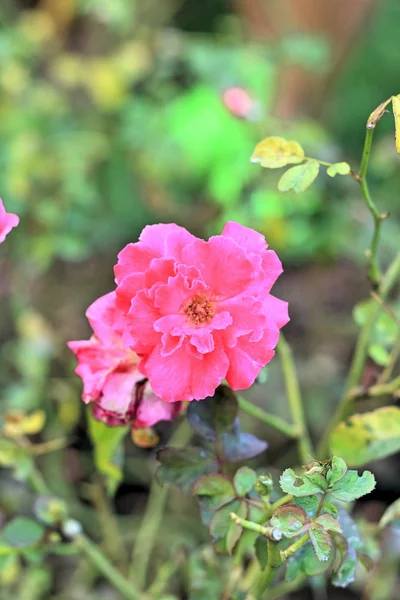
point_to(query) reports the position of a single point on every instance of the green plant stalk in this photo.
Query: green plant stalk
(269, 573)
(152, 517)
(266, 417)
(285, 554)
(381, 389)
(294, 398)
(272, 533)
(164, 574)
(373, 269)
(284, 588)
(92, 552)
(37, 481)
(284, 500)
(360, 355)
(394, 357)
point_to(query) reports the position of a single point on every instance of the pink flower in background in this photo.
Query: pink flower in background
(7, 222)
(198, 312)
(241, 104)
(110, 375)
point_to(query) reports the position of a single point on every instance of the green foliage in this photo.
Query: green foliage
(213, 416)
(385, 332)
(224, 532)
(291, 520)
(213, 491)
(22, 532)
(368, 436)
(108, 451)
(321, 541)
(301, 485)
(331, 478)
(244, 480)
(298, 179)
(183, 466)
(341, 168)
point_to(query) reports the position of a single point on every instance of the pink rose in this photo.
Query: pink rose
(110, 375)
(7, 222)
(199, 312)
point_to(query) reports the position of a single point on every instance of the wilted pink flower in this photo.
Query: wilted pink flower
(110, 375)
(7, 222)
(198, 312)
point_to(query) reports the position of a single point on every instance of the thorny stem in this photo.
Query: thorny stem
(360, 355)
(266, 417)
(152, 517)
(294, 397)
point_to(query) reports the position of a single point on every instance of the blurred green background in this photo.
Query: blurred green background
(115, 114)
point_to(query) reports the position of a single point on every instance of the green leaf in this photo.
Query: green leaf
(220, 525)
(346, 571)
(182, 466)
(351, 486)
(309, 504)
(336, 471)
(329, 523)
(340, 168)
(238, 446)
(367, 436)
(321, 541)
(235, 530)
(261, 548)
(275, 152)
(22, 532)
(391, 514)
(299, 485)
(331, 509)
(305, 561)
(10, 568)
(213, 415)
(108, 452)
(316, 479)
(213, 491)
(290, 519)
(299, 178)
(14, 457)
(244, 480)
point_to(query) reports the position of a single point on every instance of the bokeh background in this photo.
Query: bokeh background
(119, 113)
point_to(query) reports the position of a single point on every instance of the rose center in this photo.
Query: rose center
(199, 310)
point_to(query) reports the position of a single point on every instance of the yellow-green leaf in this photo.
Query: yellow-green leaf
(340, 168)
(108, 454)
(299, 178)
(396, 114)
(17, 423)
(368, 436)
(275, 152)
